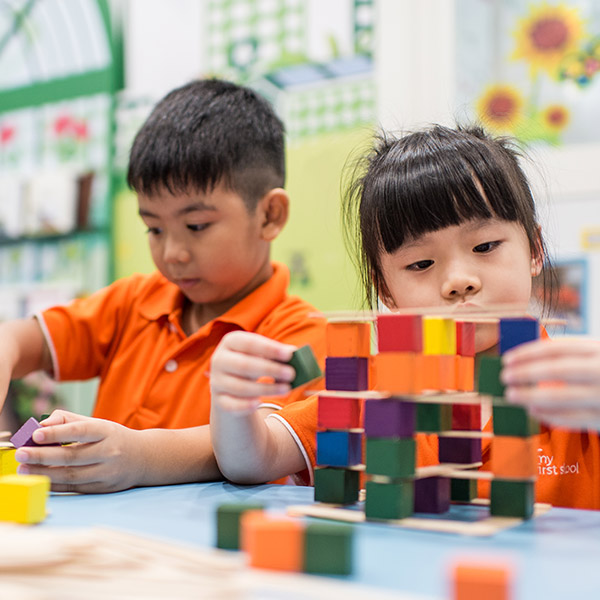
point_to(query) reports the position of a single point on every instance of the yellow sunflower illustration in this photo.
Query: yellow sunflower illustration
(555, 117)
(547, 34)
(500, 107)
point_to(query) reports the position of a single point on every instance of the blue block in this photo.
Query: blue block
(339, 448)
(515, 331)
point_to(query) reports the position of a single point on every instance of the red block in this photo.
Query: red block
(399, 333)
(338, 412)
(466, 417)
(465, 338)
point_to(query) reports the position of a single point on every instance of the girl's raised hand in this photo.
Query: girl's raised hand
(568, 370)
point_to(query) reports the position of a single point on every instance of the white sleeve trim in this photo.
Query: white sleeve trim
(48, 338)
(269, 405)
(298, 442)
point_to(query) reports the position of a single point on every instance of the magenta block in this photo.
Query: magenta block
(346, 373)
(459, 450)
(23, 435)
(432, 495)
(389, 418)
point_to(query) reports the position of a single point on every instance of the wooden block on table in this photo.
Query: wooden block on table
(465, 338)
(515, 331)
(272, 542)
(510, 498)
(348, 339)
(337, 412)
(434, 417)
(336, 486)
(397, 373)
(463, 490)
(474, 581)
(228, 523)
(489, 376)
(386, 501)
(8, 462)
(345, 373)
(459, 450)
(307, 369)
(466, 417)
(513, 457)
(399, 333)
(439, 336)
(391, 457)
(328, 549)
(465, 373)
(432, 495)
(390, 418)
(509, 419)
(23, 498)
(339, 448)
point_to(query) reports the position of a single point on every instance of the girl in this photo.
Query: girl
(441, 217)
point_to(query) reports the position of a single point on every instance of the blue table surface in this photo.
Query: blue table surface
(556, 555)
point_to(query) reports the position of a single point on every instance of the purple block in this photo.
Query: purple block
(346, 373)
(432, 495)
(459, 450)
(390, 418)
(23, 436)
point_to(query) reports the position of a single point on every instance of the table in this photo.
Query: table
(556, 555)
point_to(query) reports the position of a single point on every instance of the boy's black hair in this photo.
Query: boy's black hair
(429, 180)
(206, 133)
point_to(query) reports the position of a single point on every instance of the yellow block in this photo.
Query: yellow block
(439, 336)
(23, 498)
(8, 463)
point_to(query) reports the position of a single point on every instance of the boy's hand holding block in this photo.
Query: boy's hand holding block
(304, 362)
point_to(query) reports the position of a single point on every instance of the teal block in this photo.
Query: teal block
(388, 501)
(512, 498)
(434, 417)
(228, 523)
(489, 376)
(394, 457)
(336, 486)
(306, 366)
(513, 420)
(328, 549)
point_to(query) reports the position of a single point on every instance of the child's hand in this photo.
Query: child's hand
(246, 366)
(100, 455)
(573, 367)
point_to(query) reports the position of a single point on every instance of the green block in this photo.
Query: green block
(228, 523)
(489, 376)
(434, 417)
(511, 498)
(306, 366)
(463, 490)
(328, 549)
(390, 500)
(513, 420)
(336, 486)
(393, 457)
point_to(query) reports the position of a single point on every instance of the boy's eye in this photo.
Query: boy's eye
(199, 227)
(153, 230)
(420, 265)
(486, 247)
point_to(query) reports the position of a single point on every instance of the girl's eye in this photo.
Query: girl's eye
(486, 247)
(197, 228)
(420, 265)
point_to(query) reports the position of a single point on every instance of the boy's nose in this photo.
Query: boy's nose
(175, 252)
(458, 286)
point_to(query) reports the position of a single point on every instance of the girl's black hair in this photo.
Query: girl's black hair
(429, 180)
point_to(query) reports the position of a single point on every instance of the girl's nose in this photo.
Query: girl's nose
(460, 285)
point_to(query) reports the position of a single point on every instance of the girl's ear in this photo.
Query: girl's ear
(275, 207)
(537, 255)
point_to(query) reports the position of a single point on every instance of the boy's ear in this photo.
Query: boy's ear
(275, 206)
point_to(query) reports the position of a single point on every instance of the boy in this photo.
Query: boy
(208, 167)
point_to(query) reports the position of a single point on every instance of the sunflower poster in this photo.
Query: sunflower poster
(530, 69)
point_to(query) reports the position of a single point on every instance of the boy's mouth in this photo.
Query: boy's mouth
(187, 283)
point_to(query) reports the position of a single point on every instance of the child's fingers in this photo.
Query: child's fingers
(252, 367)
(90, 430)
(231, 385)
(65, 479)
(59, 417)
(238, 406)
(566, 368)
(570, 397)
(75, 455)
(258, 345)
(550, 349)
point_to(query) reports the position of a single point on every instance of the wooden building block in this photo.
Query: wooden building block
(390, 418)
(8, 462)
(432, 418)
(397, 373)
(515, 331)
(399, 333)
(272, 542)
(339, 448)
(459, 450)
(432, 495)
(23, 436)
(431, 371)
(509, 498)
(448, 372)
(328, 549)
(465, 373)
(394, 500)
(391, 457)
(509, 419)
(463, 490)
(513, 457)
(336, 486)
(307, 369)
(475, 581)
(348, 339)
(465, 338)
(336, 412)
(489, 376)
(23, 498)
(346, 373)
(228, 523)
(439, 336)
(466, 417)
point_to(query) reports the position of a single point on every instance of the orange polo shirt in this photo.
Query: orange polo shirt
(129, 334)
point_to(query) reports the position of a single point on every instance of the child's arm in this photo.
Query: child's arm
(248, 447)
(574, 364)
(23, 349)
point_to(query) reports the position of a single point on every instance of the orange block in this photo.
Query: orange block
(448, 372)
(513, 457)
(398, 372)
(431, 369)
(474, 582)
(348, 339)
(465, 373)
(272, 542)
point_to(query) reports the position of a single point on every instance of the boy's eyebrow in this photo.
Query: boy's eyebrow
(195, 206)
